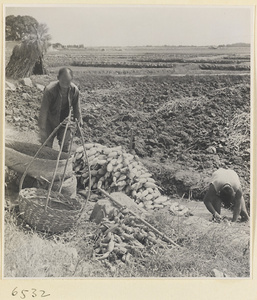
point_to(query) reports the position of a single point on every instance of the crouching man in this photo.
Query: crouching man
(58, 98)
(225, 188)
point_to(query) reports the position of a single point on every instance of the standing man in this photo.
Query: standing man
(58, 98)
(225, 188)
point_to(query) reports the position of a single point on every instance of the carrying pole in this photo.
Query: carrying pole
(162, 235)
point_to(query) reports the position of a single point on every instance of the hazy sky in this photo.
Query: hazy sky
(142, 25)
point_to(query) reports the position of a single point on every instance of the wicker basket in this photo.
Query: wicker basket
(46, 210)
(60, 214)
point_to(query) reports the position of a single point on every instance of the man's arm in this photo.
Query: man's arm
(237, 207)
(77, 107)
(209, 198)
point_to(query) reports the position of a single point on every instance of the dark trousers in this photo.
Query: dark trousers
(59, 135)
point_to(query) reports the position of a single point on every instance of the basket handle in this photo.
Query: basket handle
(58, 159)
(28, 166)
(67, 160)
(86, 156)
(89, 172)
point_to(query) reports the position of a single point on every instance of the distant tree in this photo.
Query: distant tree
(239, 45)
(17, 27)
(57, 45)
(27, 58)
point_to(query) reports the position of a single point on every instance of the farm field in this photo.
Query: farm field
(189, 111)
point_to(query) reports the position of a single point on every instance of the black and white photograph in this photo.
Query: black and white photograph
(127, 141)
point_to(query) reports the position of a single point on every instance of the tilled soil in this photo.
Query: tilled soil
(178, 123)
(183, 127)
(22, 108)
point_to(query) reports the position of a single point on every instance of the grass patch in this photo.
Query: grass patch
(27, 254)
(31, 254)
